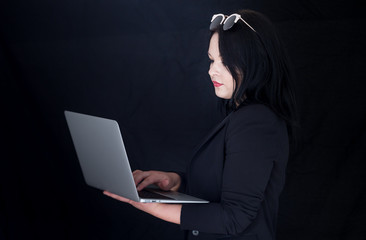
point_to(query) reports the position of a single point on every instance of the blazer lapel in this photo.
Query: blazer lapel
(199, 146)
(211, 134)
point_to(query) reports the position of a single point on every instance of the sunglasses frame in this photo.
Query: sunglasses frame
(225, 18)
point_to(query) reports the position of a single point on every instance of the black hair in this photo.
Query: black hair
(259, 64)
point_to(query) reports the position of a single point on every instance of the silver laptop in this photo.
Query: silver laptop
(104, 163)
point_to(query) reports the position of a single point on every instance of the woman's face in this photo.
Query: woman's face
(220, 76)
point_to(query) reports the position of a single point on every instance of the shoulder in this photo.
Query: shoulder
(254, 113)
(255, 120)
(256, 125)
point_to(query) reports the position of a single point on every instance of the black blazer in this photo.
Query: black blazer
(240, 168)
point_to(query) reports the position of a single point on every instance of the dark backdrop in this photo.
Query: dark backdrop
(144, 64)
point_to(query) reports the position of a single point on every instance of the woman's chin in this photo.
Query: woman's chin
(222, 95)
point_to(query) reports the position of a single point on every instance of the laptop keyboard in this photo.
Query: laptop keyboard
(151, 195)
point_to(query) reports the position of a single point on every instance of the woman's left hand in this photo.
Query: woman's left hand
(146, 207)
(167, 212)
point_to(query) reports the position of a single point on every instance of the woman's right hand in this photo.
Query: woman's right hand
(164, 180)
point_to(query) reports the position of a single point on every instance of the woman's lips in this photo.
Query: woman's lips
(216, 84)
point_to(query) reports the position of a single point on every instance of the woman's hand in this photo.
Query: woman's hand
(167, 212)
(146, 207)
(164, 180)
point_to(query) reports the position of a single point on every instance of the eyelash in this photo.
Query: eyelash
(212, 61)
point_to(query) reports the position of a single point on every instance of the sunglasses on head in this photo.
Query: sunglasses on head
(227, 21)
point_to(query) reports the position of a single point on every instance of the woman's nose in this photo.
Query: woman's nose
(211, 70)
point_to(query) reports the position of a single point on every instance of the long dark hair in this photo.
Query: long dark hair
(258, 62)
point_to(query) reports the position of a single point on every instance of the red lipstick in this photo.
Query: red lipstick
(216, 84)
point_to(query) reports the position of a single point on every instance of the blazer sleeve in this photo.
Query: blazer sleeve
(252, 139)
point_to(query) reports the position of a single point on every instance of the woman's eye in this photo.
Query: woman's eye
(210, 61)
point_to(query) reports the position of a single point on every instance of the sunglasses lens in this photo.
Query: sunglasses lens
(216, 23)
(229, 23)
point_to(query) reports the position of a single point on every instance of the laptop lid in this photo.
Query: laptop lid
(103, 158)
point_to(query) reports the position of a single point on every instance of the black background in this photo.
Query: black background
(144, 63)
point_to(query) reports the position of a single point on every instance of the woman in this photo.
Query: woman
(240, 165)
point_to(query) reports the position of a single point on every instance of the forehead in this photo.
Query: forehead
(213, 48)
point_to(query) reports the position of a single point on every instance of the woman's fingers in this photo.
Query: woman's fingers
(117, 197)
(164, 184)
(145, 178)
(146, 207)
(150, 179)
(139, 176)
(122, 199)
